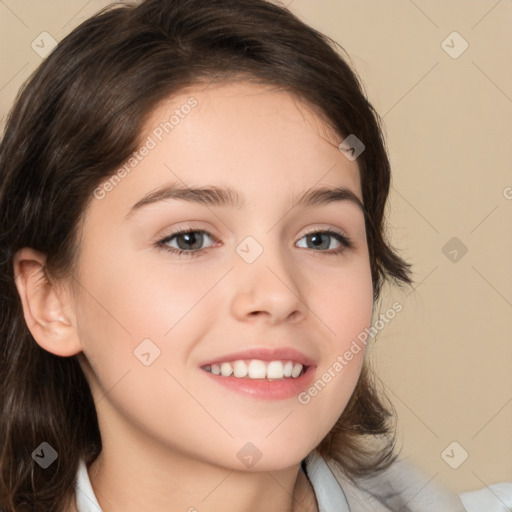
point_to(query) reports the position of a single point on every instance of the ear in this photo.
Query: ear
(47, 306)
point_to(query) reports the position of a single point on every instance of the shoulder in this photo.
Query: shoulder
(402, 486)
(492, 498)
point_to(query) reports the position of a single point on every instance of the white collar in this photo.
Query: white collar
(328, 492)
(85, 498)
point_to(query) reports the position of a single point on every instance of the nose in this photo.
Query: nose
(268, 286)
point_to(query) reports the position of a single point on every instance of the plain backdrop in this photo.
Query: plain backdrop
(440, 75)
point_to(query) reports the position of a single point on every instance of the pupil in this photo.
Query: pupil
(316, 239)
(190, 238)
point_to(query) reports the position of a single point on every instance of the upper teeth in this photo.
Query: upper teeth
(256, 369)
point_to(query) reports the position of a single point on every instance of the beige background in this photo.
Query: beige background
(446, 359)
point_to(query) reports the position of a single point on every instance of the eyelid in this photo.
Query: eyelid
(184, 229)
(188, 229)
(342, 233)
(321, 230)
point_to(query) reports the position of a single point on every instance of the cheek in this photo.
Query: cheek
(129, 300)
(125, 312)
(345, 303)
(129, 309)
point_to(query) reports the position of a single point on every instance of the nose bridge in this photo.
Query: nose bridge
(265, 276)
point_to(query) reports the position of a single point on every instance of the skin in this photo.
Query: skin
(171, 436)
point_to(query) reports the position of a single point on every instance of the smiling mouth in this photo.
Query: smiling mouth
(257, 369)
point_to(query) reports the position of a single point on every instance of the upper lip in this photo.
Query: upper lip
(265, 354)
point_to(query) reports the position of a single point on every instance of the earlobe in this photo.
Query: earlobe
(46, 306)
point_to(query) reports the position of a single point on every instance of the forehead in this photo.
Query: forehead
(233, 104)
(264, 142)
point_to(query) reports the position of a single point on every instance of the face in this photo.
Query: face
(277, 284)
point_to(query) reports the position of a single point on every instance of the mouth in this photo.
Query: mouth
(257, 369)
(263, 373)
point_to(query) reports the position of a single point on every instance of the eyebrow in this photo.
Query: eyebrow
(225, 196)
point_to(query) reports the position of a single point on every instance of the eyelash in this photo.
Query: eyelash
(341, 238)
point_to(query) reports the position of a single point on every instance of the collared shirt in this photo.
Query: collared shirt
(400, 488)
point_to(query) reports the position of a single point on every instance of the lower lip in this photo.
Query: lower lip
(266, 389)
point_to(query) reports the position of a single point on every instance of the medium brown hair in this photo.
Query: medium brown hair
(77, 120)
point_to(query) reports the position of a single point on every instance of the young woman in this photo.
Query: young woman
(192, 233)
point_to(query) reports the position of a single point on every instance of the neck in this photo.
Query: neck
(125, 482)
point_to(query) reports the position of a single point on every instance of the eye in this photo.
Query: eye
(316, 240)
(188, 241)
